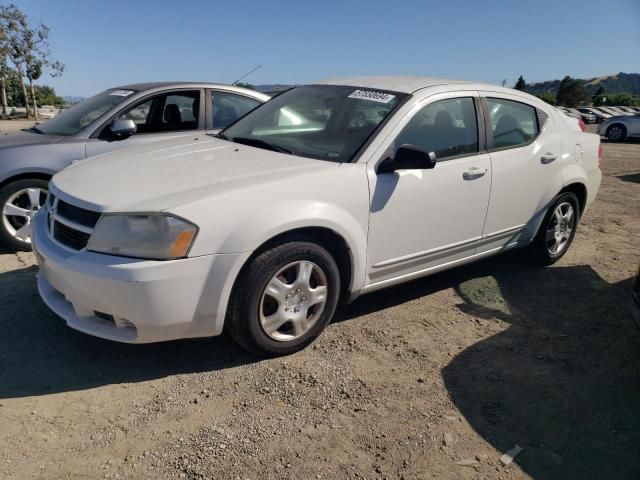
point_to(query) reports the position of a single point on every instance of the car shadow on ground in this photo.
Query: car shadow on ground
(40, 355)
(633, 178)
(563, 380)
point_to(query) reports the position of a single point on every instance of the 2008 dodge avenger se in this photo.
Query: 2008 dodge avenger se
(326, 192)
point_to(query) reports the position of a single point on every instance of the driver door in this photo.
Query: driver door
(422, 219)
(162, 116)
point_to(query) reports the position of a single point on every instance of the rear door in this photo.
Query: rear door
(526, 159)
(169, 114)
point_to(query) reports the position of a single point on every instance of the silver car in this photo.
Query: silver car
(116, 118)
(621, 127)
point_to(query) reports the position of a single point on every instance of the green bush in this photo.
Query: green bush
(548, 97)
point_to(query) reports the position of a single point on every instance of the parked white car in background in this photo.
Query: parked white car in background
(328, 191)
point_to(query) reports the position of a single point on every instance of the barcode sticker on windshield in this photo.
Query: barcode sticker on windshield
(121, 93)
(374, 96)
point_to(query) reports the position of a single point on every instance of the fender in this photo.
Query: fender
(261, 227)
(7, 176)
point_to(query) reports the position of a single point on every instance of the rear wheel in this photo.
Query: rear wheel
(557, 230)
(284, 299)
(19, 201)
(616, 132)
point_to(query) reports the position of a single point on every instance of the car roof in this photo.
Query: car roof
(151, 85)
(400, 84)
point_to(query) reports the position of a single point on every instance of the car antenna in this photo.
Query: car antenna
(247, 74)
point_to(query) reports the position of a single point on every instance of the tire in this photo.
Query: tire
(616, 132)
(545, 250)
(20, 198)
(271, 291)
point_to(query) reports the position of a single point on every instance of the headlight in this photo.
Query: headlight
(148, 236)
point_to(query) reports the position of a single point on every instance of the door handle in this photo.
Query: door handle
(473, 173)
(548, 158)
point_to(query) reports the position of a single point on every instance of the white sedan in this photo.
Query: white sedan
(327, 192)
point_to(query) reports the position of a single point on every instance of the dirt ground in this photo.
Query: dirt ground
(432, 379)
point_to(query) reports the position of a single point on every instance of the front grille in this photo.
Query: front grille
(70, 237)
(77, 214)
(69, 225)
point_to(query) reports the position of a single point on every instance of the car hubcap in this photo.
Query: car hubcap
(615, 133)
(560, 228)
(19, 210)
(293, 300)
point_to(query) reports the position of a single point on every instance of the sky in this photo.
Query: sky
(109, 43)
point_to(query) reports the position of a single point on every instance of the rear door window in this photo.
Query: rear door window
(227, 107)
(512, 123)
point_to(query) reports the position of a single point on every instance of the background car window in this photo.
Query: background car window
(227, 107)
(186, 105)
(71, 121)
(512, 123)
(447, 128)
(140, 113)
(168, 112)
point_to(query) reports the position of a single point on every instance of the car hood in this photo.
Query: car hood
(25, 138)
(163, 175)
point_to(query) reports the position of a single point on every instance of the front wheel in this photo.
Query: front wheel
(19, 201)
(557, 230)
(284, 298)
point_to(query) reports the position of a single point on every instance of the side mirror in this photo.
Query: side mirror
(122, 128)
(408, 157)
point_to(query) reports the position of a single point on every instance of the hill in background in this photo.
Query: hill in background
(619, 83)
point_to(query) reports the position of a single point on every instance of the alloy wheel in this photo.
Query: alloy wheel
(615, 133)
(19, 210)
(293, 300)
(560, 228)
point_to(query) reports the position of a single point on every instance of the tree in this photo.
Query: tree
(617, 99)
(571, 93)
(245, 85)
(598, 97)
(548, 97)
(28, 49)
(520, 84)
(47, 96)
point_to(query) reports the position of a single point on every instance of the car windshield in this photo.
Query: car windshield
(71, 121)
(326, 122)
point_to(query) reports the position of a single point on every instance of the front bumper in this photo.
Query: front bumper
(129, 300)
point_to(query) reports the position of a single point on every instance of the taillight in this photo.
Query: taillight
(599, 154)
(583, 127)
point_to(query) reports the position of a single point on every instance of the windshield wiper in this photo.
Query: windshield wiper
(221, 135)
(33, 129)
(256, 142)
